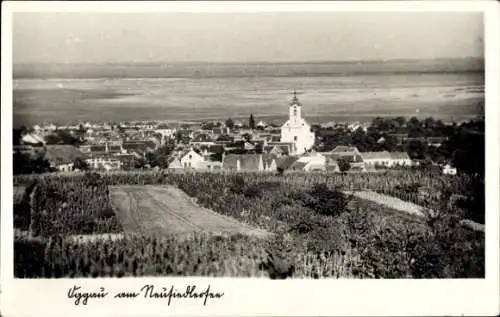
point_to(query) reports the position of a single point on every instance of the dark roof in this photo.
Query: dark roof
(97, 148)
(332, 158)
(62, 154)
(286, 161)
(139, 146)
(202, 138)
(216, 148)
(225, 137)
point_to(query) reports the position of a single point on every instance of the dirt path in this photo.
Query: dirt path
(161, 210)
(406, 207)
(390, 201)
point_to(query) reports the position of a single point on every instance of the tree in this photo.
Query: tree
(247, 137)
(229, 123)
(208, 126)
(80, 164)
(417, 149)
(343, 164)
(62, 137)
(160, 157)
(251, 122)
(25, 164)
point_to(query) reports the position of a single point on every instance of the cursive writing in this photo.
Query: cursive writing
(148, 291)
(83, 297)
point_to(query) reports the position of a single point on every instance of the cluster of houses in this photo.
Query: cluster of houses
(306, 162)
(109, 146)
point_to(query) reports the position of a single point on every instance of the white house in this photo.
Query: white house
(386, 159)
(105, 162)
(310, 162)
(165, 131)
(296, 129)
(381, 158)
(261, 124)
(32, 138)
(187, 159)
(401, 159)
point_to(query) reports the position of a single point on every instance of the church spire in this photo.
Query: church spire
(295, 100)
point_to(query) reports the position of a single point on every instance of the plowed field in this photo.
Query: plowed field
(163, 210)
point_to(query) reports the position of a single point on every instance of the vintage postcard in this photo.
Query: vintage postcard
(249, 158)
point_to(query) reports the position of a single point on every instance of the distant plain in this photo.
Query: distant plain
(329, 91)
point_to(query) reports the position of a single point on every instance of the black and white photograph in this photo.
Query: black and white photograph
(280, 145)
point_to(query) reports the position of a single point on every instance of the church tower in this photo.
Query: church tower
(296, 130)
(295, 110)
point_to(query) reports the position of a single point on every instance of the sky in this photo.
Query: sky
(244, 37)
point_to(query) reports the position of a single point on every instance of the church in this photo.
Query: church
(296, 130)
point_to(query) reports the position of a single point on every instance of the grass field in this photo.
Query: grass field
(164, 210)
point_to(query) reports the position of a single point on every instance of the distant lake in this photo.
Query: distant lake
(329, 91)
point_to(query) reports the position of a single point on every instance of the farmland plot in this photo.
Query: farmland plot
(163, 210)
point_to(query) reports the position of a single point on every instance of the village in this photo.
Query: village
(228, 145)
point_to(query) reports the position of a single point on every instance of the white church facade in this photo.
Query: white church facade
(296, 130)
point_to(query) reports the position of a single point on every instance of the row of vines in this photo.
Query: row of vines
(328, 234)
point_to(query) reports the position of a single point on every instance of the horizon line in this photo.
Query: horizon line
(346, 61)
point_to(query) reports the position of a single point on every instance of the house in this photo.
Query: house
(273, 150)
(220, 131)
(105, 162)
(310, 162)
(296, 129)
(139, 148)
(187, 159)
(249, 163)
(436, 141)
(380, 158)
(345, 150)
(288, 148)
(400, 159)
(349, 154)
(202, 139)
(386, 159)
(32, 139)
(62, 157)
(261, 124)
(165, 131)
(399, 138)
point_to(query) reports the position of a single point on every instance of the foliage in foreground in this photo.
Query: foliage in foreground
(319, 233)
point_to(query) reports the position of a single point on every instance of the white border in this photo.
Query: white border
(251, 296)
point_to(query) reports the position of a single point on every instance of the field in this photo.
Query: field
(317, 231)
(166, 210)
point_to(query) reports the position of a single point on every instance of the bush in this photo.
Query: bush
(326, 201)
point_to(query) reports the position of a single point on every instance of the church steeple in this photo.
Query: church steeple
(295, 100)
(295, 109)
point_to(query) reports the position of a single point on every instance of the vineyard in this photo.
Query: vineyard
(317, 230)
(161, 210)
